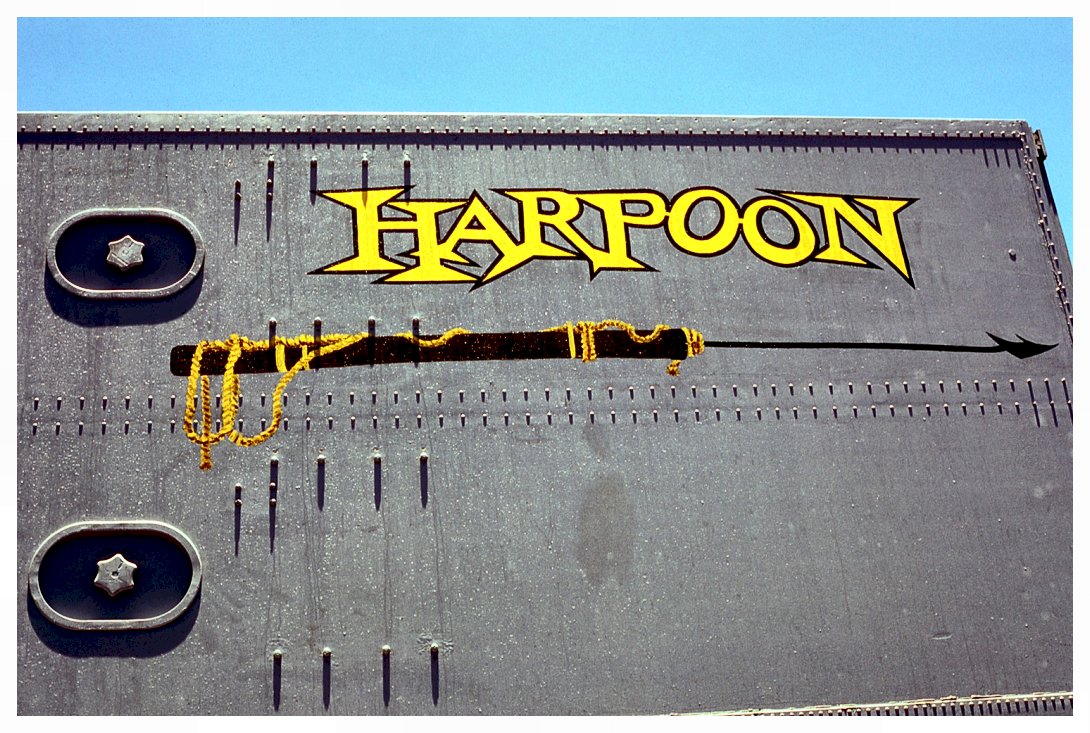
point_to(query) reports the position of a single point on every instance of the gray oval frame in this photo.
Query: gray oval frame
(114, 527)
(139, 293)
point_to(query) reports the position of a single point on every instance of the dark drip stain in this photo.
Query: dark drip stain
(604, 531)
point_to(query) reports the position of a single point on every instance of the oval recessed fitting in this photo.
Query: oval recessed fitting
(125, 253)
(115, 576)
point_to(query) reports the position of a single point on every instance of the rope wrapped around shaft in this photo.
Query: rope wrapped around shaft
(581, 343)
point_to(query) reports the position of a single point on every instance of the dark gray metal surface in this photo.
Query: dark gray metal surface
(773, 528)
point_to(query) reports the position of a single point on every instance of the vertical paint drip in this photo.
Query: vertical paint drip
(376, 459)
(424, 479)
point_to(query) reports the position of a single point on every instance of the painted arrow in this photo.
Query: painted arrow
(1022, 349)
(671, 344)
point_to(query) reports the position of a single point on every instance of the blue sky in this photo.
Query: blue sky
(985, 68)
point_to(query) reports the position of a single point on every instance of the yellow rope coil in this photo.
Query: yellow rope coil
(236, 346)
(584, 331)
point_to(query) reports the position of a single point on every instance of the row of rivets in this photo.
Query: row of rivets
(463, 420)
(402, 129)
(277, 657)
(547, 392)
(274, 466)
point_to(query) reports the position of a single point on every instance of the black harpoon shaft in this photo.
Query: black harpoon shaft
(609, 344)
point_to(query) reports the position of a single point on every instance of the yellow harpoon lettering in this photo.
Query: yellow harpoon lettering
(552, 224)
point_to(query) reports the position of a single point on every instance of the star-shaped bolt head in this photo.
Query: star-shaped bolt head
(125, 253)
(115, 575)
